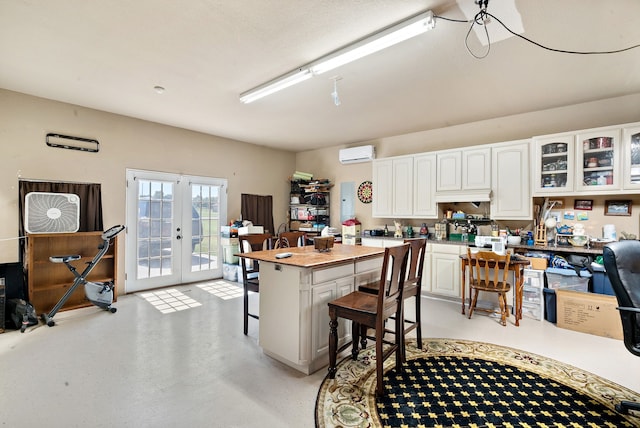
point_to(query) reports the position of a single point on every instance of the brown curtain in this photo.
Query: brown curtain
(258, 209)
(90, 201)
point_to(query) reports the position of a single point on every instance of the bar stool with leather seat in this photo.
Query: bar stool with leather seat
(412, 288)
(372, 310)
(251, 269)
(291, 239)
(484, 275)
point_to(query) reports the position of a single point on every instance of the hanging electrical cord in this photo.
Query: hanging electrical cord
(483, 18)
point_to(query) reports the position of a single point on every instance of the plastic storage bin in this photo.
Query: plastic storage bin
(567, 279)
(601, 283)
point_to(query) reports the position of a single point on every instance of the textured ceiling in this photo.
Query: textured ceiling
(109, 55)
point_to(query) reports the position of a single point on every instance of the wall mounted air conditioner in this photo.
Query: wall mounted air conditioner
(357, 154)
(51, 212)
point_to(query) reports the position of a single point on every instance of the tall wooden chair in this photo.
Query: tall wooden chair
(251, 269)
(484, 275)
(412, 288)
(291, 239)
(370, 310)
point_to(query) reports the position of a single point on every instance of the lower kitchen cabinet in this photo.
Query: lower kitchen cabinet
(321, 295)
(445, 269)
(294, 316)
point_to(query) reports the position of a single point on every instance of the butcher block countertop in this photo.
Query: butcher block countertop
(309, 257)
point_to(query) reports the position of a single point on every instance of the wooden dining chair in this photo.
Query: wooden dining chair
(412, 288)
(484, 275)
(291, 239)
(251, 269)
(372, 310)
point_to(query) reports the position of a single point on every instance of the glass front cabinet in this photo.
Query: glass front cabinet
(602, 160)
(554, 164)
(631, 147)
(598, 160)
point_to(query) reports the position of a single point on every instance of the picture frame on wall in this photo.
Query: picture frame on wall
(620, 208)
(583, 204)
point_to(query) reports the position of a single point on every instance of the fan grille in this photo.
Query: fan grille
(52, 212)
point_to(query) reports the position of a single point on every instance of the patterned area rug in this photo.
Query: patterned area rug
(458, 383)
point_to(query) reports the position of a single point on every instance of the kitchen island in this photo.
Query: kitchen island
(294, 292)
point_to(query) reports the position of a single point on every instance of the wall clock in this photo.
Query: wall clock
(365, 192)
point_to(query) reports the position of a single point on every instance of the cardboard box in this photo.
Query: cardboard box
(537, 263)
(589, 313)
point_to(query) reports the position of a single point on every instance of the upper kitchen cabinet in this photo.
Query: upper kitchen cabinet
(553, 164)
(631, 156)
(464, 175)
(393, 187)
(511, 194)
(601, 160)
(598, 160)
(461, 170)
(424, 185)
(382, 204)
(404, 187)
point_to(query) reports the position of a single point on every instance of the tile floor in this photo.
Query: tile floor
(145, 367)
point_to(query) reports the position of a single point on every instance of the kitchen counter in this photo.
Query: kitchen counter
(517, 248)
(294, 292)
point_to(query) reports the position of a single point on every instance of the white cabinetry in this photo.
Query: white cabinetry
(403, 187)
(467, 169)
(631, 156)
(449, 171)
(511, 194)
(424, 186)
(296, 330)
(476, 169)
(321, 295)
(553, 164)
(463, 175)
(598, 160)
(381, 243)
(445, 269)
(382, 204)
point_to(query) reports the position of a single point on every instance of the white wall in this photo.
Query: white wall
(124, 143)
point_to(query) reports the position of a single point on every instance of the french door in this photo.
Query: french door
(173, 229)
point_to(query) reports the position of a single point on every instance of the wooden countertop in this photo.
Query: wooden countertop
(308, 257)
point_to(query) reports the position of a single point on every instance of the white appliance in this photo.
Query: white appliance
(52, 212)
(357, 154)
(496, 243)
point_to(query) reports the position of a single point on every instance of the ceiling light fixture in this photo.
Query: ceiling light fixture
(383, 39)
(389, 36)
(275, 85)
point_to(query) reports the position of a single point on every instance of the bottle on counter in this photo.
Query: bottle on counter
(423, 230)
(530, 239)
(386, 230)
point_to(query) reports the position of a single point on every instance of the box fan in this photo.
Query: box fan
(52, 212)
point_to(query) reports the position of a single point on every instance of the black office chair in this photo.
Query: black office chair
(622, 263)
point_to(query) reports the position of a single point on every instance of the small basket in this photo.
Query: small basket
(323, 244)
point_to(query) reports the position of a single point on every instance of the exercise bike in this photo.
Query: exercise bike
(98, 293)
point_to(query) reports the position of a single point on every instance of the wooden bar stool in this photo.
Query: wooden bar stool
(370, 310)
(251, 269)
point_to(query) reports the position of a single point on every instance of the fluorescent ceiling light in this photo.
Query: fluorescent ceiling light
(398, 33)
(387, 37)
(275, 85)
